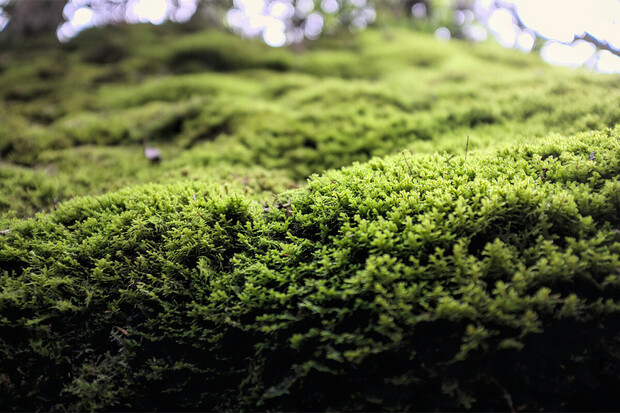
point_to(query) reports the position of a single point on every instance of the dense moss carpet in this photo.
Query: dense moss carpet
(315, 236)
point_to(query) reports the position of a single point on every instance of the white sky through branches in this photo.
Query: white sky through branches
(558, 21)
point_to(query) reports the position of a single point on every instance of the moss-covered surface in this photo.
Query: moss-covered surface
(222, 109)
(420, 279)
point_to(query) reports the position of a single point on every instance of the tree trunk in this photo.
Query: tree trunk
(30, 17)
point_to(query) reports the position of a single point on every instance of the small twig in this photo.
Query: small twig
(122, 330)
(506, 396)
(408, 166)
(600, 44)
(5, 231)
(200, 215)
(466, 147)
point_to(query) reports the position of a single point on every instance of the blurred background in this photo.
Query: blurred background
(259, 95)
(576, 33)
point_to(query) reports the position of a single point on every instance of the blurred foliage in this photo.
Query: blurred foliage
(293, 21)
(27, 18)
(209, 99)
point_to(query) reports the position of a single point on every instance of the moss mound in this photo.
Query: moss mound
(232, 276)
(226, 110)
(412, 282)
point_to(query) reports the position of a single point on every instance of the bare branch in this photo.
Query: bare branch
(600, 44)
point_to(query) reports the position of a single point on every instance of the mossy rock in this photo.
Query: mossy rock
(410, 282)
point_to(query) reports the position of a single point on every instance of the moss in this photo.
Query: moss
(343, 100)
(221, 52)
(222, 278)
(405, 283)
(151, 122)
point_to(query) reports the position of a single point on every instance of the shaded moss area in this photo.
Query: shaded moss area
(213, 102)
(315, 236)
(406, 283)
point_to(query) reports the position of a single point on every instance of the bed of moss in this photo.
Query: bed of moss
(72, 117)
(417, 277)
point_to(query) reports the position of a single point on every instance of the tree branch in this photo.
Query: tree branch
(602, 45)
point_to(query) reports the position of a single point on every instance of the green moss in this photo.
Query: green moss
(151, 122)
(407, 283)
(413, 278)
(343, 100)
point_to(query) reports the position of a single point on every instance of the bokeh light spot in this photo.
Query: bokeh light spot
(608, 62)
(274, 36)
(82, 18)
(525, 40)
(281, 10)
(418, 10)
(313, 26)
(572, 55)
(152, 11)
(305, 6)
(330, 6)
(442, 34)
